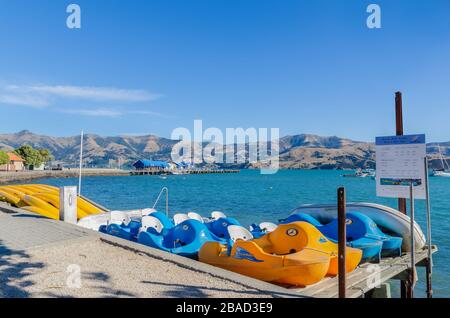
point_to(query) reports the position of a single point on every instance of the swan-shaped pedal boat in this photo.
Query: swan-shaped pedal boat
(295, 254)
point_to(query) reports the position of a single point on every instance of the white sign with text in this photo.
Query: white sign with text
(400, 161)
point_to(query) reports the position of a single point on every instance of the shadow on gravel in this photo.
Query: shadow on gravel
(101, 282)
(191, 291)
(15, 267)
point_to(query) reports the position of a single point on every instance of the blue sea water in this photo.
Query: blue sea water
(252, 197)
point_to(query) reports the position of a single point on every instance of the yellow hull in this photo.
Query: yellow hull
(9, 197)
(43, 212)
(295, 254)
(302, 268)
(41, 204)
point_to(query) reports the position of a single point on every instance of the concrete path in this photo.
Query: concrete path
(46, 258)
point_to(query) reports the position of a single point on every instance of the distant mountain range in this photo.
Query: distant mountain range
(302, 151)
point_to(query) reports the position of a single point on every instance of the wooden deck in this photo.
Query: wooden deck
(363, 279)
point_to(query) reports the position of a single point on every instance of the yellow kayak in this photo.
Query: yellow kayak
(41, 204)
(53, 199)
(20, 189)
(9, 197)
(43, 212)
(15, 195)
(42, 199)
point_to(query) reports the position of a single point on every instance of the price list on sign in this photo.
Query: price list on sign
(400, 162)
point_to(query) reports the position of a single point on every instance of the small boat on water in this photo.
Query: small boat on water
(445, 169)
(438, 173)
(361, 173)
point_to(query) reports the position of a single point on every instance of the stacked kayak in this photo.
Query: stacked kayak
(362, 233)
(43, 200)
(295, 253)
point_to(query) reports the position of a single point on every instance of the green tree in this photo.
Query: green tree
(46, 155)
(4, 159)
(33, 157)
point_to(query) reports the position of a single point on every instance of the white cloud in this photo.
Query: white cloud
(45, 95)
(53, 98)
(92, 93)
(95, 112)
(108, 112)
(23, 100)
(145, 112)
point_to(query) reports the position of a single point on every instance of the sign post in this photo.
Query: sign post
(412, 278)
(429, 268)
(401, 174)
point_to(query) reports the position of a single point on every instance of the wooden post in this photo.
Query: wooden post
(342, 241)
(399, 132)
(401, 202)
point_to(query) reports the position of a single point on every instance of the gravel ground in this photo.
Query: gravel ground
(106, 271)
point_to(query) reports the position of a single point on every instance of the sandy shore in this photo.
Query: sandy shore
(6, 177)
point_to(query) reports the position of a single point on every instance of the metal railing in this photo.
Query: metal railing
(164, 189)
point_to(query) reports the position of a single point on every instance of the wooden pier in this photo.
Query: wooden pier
(367, 277)
(193, 171)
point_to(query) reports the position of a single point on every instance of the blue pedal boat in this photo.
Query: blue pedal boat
(166, 222)
(219, 227)
(362, 233)
(122, 226)
(183, 239)
(259, 230)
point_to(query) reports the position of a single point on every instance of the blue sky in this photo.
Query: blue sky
(139, 67)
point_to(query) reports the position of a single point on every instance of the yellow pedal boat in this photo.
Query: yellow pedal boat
(295, 254)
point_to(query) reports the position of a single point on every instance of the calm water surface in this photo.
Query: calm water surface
(252, 197)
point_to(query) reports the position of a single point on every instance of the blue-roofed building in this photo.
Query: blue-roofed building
(144, 164)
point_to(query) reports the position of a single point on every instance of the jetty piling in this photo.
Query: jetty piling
(405, 291)
(342, 241)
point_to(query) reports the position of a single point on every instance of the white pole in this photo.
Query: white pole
(427, 193)
(81, 163)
